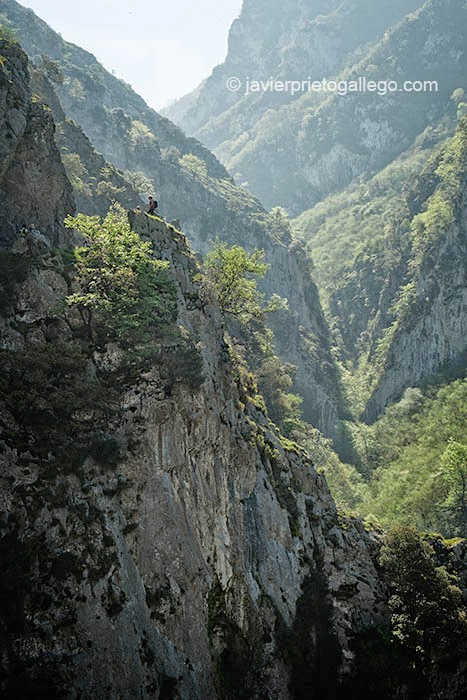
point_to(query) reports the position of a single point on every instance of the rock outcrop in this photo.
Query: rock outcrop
(156, 532)
(34, 190)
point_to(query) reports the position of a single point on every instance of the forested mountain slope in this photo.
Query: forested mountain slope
(309, 39)
(296, 154)
(390, 260)
(415, 459)
(428, 328)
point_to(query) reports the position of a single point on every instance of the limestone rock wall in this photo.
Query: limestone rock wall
(34, 190)
(435, 337)
(194, 564)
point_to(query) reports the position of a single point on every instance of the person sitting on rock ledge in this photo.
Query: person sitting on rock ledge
(152, 206)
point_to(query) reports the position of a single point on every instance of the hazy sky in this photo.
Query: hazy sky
(163, 49)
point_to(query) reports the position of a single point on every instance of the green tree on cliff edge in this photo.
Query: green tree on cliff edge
(119, 278)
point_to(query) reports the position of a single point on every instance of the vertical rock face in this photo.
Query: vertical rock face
(435, 337)
(197, 561)
(34, 190)
(156, 535)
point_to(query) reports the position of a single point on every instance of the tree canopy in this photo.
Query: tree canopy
(119, 278)
(233, 273)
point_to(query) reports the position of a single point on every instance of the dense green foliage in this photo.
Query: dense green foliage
(454, 466)
(426, 605)
(439, 209)
(233, 273)
(119, 278)
(416, 457)
(423, 643)
(412, 463)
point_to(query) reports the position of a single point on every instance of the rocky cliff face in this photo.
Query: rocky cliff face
(156, 533)
(34, 190)
(433, 339)
(158, 537)
(96, 183)
(188, 561)
(202, 197)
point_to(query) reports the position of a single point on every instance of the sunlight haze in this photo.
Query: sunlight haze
(163, 50)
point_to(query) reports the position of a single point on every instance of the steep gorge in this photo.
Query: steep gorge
(204, 199)
(348, 166)
(156, 533)
(159, 538)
